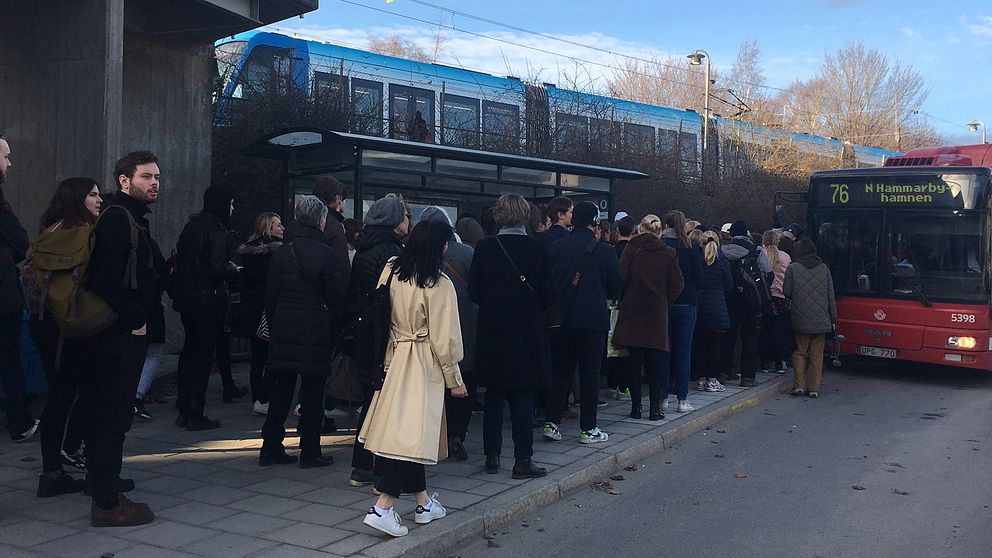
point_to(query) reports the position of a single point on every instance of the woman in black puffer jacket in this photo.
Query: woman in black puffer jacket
(713, 320)
(255, 255)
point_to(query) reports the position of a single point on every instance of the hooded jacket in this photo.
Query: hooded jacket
(202, 255)
(652, 283)
(811, 289)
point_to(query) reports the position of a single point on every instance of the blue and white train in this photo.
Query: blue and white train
(406, 99)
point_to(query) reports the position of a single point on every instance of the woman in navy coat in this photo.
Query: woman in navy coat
(713, 320)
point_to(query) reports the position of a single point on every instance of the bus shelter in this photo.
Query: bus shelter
(460, 181)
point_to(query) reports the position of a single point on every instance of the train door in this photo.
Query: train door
(411, 113)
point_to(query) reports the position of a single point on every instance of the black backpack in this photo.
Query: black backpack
(750, 282)
(372, 335)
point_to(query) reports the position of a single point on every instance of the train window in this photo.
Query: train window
(366, 102)
(228, 57)
(267, 70)
(329, 85)
(500, 127)
(411, 113)
(687, 152)
(572, 133)
(639, 139)
(459, 121)
(668, 140)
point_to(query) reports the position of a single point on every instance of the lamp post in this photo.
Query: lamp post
(696, 59)
(973, 126)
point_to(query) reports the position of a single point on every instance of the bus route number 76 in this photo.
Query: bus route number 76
(840, 193)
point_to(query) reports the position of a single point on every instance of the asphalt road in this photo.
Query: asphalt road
(891, 460)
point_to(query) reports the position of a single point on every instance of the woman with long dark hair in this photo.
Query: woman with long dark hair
(76, 203)
(682, 315)
(404, 427)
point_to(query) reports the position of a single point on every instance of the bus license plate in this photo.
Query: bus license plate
(878, 352)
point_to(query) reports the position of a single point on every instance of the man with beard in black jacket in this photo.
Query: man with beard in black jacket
(386, 224)
(203, 268)
(126, 277)
(13, 245)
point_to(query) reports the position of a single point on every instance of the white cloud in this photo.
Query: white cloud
(983, 28)
(910, 33)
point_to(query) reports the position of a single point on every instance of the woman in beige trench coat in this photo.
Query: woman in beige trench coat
(405, 423)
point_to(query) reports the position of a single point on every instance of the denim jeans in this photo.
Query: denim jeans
(150, 370)
(681, 325)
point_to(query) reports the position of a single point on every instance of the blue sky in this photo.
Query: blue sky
(950, 44)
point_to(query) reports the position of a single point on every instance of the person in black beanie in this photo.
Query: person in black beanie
(203, 268)
(742, 253)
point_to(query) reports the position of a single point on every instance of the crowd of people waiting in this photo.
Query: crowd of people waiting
(523, 302)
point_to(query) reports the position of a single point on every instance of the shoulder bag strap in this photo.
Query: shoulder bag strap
(523, 278)
(454, 273)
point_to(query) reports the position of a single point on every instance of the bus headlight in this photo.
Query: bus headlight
(961, 342)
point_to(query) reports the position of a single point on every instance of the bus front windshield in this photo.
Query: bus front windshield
(938, 256)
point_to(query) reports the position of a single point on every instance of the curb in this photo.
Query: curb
(500, 510)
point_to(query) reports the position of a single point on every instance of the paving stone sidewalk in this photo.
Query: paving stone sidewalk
(212, 499)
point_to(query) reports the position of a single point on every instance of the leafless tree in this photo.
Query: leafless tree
(394, 45)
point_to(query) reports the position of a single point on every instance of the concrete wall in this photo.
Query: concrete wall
(53, 85)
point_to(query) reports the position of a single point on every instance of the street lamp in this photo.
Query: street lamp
(696, 59)
(973, 126)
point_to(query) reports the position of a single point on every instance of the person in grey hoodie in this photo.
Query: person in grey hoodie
(743, 319)
(810, 288)
(457, 262)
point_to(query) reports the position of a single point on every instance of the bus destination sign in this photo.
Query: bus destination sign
(945, 191)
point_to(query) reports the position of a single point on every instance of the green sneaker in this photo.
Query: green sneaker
(593, 436)
(623, 395)
(551, 432)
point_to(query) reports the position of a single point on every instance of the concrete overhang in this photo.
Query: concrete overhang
(208, 19)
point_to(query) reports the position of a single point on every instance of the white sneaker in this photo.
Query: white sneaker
(296, 411)
(390, 524)
(685, 407)
(551, 432)
(260, 409)
(664, 404)
(437, 511)
(715, 386)
(593, 436)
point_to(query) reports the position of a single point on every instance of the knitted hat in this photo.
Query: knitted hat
(435, 213)
(387, 211)
(738, 228)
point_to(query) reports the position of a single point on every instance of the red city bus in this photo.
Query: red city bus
(910, 249)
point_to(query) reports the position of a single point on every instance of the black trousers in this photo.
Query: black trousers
(743, 326)
(223, 357)
(311, 401)
(362, 458)
(584, 349)
(65, 417)
(707, 347)
(521, 419)
(458, 410)
(653, 363)
(776, 342)
(203, 328)
(108, 391)
(12, 374)
(399, 477)
(260, 383)
(616, 373)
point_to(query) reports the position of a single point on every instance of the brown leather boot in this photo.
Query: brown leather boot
(126, 514)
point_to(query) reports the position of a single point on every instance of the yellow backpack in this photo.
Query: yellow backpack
(54, 276)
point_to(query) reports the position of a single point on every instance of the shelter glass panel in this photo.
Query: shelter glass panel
(530, 176)
(466, 168)
(401, 161)
(460, 121)
(583, 182)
